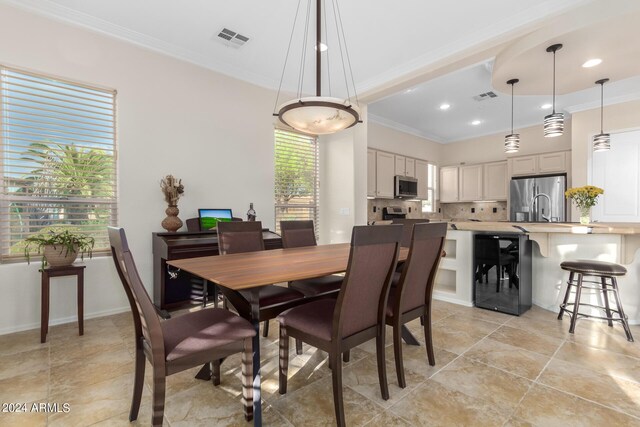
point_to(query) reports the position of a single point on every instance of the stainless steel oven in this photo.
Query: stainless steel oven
(405, 187)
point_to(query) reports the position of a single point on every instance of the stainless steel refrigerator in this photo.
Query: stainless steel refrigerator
(538, 198)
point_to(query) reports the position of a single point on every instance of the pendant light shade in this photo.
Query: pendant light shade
(601, 141)
(554, 122)
(512, 141)
(320, 115)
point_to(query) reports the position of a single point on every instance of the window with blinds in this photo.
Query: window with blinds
(58, 168)
(429, 205)
(296, 177)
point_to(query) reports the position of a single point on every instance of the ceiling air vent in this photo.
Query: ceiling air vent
(231, 38)
(485, 96)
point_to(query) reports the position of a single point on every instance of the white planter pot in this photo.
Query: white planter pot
(58, 256)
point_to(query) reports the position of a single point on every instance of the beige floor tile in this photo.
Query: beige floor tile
(598, 335)
(527, 339)
(583, 381)
(30, 387)
(543, 406)
(415, 360)
(388, 419)
(313, 406)
(457, 335)
(483, 382)
(555, 328)
(23, 419)
(21, 342)
(508, 358)
(539, 313)
(485, 315)
(516, 422)
(27, 362)
(434, 404)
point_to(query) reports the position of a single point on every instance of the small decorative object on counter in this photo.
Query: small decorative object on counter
(172, 189)
(585, 198)
(251, 214)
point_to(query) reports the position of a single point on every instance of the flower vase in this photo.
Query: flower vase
(585, 216)
(172, 223)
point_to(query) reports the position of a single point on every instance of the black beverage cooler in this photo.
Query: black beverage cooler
(502, 272)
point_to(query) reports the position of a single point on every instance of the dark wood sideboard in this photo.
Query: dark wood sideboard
(170, 293)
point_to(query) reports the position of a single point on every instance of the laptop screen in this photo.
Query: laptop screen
(209, 217)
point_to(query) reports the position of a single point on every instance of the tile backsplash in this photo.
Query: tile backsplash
(414, 209)
(482, 211)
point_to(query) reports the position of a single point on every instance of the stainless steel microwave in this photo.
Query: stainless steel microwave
(405, 187)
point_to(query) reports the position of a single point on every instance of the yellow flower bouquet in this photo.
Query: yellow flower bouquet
(585, 198)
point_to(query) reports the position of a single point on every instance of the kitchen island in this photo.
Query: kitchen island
(553, 243)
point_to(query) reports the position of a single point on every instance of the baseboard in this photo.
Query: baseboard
(62, 321)
(446, 298)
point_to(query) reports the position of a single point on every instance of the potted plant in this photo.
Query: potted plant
(59, 248)
(585, 198)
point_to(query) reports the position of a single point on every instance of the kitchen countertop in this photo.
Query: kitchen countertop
(548, 227)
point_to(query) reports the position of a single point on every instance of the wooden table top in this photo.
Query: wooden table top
(253, 269)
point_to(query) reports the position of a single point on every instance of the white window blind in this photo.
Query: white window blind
(429, 205)
(296, 180)
(58, 168)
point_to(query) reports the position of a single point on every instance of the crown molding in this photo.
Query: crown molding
(382, 121)
(628, 97)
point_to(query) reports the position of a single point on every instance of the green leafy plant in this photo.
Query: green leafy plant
(67, 241)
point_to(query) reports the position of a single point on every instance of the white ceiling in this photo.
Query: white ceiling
(387, 41)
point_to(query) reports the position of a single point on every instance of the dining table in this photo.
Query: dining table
(251, 270)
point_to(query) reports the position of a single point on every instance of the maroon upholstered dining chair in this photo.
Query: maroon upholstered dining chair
(336, 326)
(297, 234)
(411, 298)
(238, 237)
(179, 343)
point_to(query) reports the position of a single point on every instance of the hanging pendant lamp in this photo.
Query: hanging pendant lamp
(554, 122)
(601, 141)
(320, 115)
(512, 141)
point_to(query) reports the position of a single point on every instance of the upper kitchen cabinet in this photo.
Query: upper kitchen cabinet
(449, 184)
(540, 164)
(405, 166)
(385, 171)
(422, 175)
(495, 181)
(470, 183)
(371, 173)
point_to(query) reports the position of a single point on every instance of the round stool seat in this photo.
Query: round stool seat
(597, 268)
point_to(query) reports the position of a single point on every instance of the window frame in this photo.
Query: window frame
(432, 188)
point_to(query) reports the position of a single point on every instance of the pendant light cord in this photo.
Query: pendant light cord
(601, 106)
(286, 58)
(344, 39)
(512, 85)
(554, 82)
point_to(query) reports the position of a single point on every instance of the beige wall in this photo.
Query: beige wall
(214, 132)
(394, 141)
(491, 148)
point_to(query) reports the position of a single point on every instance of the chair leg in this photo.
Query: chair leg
(346, 356)
(298, 346)
(215, 372)
(382, 366)
(428, 341)
(397, 353)
(566, 296)
(576, 306)
(138, 384)
(247, 379)
(265, 328)
(625, 323)
(336, 375)
(284, 360)
(422, 320)
(605, 297)
(158, 392)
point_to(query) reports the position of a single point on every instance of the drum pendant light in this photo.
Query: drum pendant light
(512, 141)
(554, 122)
(601, 141)
(320, 115)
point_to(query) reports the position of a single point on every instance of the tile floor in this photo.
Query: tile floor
(491, 369)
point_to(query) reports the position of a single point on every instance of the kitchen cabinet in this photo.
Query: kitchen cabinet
(526, 165)
(470, 183)
(371, 173)
(422, 175)
(541, 164)
(385, 171)
(400, 163)
(495, 181)
(552, 162)
(410, 167)
(449, 184)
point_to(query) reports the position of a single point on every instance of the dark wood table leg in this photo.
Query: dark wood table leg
(81, 302)
(205, 292)
(44, 307)
(255, 320)
(408, 337)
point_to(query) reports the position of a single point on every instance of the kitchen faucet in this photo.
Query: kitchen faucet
(534, 199)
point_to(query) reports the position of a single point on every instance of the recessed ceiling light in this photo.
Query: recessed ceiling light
(323, 47)
(546, 106)
(592, 63)
(409, 90)
(445, 106)
(476, 122)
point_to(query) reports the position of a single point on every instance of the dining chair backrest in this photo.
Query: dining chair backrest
(145, 317)
(407, 228)
(240, 236)
(363, 296)
(415, 286)
(296, 234)
(193, 224)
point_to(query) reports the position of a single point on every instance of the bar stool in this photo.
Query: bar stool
(603, 270)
